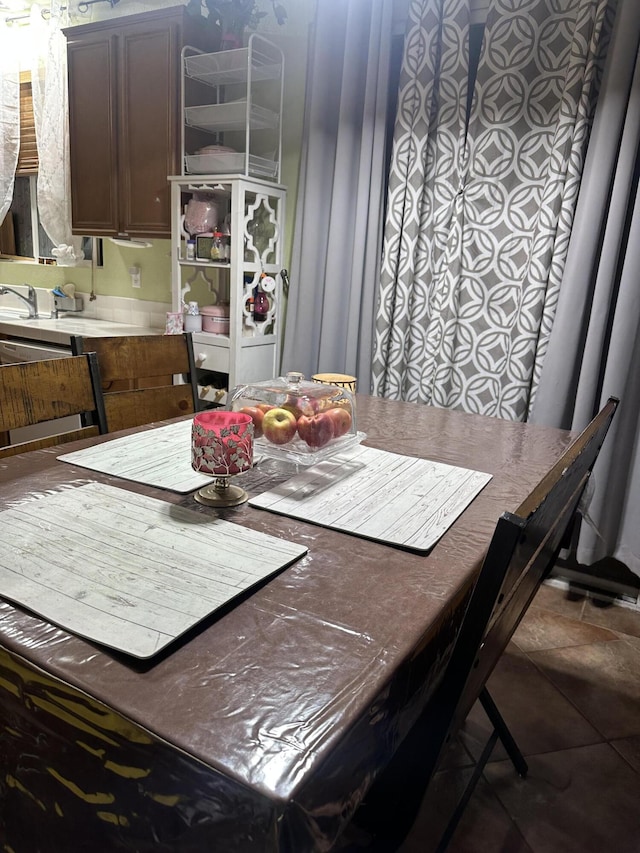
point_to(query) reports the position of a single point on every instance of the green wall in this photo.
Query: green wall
(111, 279)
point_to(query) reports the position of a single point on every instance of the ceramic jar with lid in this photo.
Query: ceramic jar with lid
(215, 318)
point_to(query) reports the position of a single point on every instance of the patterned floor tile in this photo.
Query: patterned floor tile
(623, 620)
(485, 826)
(537, 714)
(629, 749)
(545, 629)
(602, 680)
(583, 800)
(560, 600)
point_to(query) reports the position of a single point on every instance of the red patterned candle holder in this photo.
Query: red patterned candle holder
(222, 445)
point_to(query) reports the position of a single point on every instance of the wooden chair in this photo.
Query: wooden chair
(137, 377)
(38, 391)
(521, 554)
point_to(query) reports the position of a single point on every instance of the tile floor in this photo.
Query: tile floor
(569, 690)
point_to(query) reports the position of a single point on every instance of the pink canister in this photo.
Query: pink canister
(215, 318)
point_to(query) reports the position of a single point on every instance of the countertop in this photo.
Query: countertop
(59, 331)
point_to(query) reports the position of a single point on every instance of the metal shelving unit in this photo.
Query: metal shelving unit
(242, 116)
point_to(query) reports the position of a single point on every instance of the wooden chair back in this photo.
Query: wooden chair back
(522, 552)
(38, 391)
(137, 377)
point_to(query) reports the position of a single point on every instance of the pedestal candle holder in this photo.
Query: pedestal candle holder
(222, 445)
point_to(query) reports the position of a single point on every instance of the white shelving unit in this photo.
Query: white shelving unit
(238, 104)
(256, 211)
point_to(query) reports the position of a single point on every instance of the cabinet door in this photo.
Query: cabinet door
(124, 104)
(148, 122)
(93, 135)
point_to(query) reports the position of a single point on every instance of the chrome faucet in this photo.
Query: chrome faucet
(30, 300)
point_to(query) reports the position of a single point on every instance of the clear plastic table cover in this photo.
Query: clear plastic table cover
(262, 729)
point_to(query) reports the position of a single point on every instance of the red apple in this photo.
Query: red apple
(300, 405)
(316, 430)
(292, 407)
(328, 401)
(278, 425)
(309, 405)
(257, 416)
(341, 420)
(264, 407)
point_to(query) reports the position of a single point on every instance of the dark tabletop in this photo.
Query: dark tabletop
(303, 687)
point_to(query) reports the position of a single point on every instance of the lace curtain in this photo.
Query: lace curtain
(51, 115)
(9, 117)
(41, 46)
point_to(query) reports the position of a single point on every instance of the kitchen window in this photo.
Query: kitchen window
(22, 236)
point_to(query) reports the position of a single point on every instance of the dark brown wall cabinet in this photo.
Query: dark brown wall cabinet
(124, 119)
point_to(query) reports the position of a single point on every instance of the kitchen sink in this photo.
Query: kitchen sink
(8, 314)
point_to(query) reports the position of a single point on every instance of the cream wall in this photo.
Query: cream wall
(113, 278)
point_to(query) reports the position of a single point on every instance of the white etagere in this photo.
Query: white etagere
(255, 211)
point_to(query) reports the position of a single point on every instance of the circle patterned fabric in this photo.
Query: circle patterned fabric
(480, 211)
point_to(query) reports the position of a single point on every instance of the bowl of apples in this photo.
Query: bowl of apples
(302, 422)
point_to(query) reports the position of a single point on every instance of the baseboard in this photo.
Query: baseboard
(609, 581)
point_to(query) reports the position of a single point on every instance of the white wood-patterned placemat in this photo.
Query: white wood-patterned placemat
(158, 457)
(126, 570)
(378, 495)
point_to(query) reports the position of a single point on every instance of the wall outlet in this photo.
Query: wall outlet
(134, 272)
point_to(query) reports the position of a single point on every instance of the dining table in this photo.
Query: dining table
(261, 727)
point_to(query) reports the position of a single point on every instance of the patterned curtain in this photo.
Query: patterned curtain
(466, 309)
(423, 201)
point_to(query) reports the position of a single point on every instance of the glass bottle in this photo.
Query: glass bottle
(260, 306)
(216, 248)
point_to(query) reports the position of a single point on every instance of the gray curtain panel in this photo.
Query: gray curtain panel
(338, 225)
(594, 349)
(466, 310)
(423, 206)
